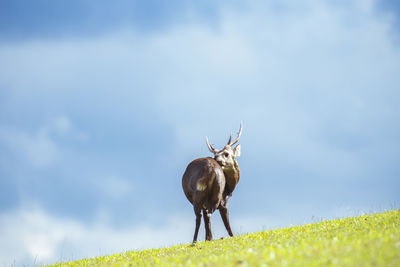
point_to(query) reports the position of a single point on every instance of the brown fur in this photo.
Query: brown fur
(208, 184)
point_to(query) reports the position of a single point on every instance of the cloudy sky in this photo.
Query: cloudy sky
(103, 105)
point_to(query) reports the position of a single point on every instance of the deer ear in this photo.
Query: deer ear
(236, 151)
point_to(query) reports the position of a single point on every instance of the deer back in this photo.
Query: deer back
(203, 183)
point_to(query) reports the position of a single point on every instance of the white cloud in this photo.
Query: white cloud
(64, 127)
(114, 186)
(31, 233)
(38, 149)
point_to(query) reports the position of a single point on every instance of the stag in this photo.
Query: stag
(208, 184)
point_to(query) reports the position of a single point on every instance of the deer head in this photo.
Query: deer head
(226, 157)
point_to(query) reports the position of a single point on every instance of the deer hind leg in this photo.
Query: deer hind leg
(225, 218)
(197, 211)
(207, 222)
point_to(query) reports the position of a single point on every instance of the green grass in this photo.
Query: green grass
(369, 240)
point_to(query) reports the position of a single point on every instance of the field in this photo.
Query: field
(369, 240)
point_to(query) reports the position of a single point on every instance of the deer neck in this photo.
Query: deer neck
(232, 176)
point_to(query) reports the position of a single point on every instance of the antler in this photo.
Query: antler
(230, 139)
(211, 147)
(237, 138)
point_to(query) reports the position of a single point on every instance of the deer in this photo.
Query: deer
(208, 184)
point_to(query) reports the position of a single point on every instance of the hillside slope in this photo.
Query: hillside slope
(369, 240)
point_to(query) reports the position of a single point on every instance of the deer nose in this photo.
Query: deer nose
(220, 162)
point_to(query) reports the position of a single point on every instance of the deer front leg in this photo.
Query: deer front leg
(207, 222)
(225, 218)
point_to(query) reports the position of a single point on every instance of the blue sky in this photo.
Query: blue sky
(102, 106)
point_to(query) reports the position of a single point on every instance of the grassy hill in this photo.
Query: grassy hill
(369, 240)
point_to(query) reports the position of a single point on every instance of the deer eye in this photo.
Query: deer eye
(226, 155)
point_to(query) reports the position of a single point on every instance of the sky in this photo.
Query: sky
(103, 105)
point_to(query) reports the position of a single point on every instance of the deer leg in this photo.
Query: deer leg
(207, 222)
(225, 218)
(197, 211)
